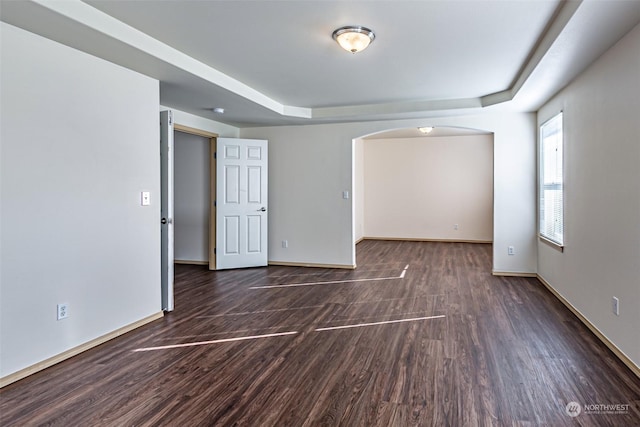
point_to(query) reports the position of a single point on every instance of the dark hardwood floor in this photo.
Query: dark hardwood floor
(480, 351)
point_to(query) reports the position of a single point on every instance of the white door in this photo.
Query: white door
(166, 208)
(241, 218)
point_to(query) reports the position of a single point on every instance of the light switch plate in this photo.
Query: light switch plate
(145, 198)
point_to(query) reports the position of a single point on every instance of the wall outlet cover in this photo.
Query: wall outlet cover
(63, 311)
(615, 306)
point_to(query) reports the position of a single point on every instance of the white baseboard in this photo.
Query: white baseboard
(312, 264)
(29, 370)
(190, 262)
(513, 273)
(411, 239)
(619, 353)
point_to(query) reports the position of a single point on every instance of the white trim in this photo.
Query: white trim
(312, 265)
(601, 336)
(29, 370)
(513, 273)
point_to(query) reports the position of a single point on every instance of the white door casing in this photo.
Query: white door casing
(241, 204)
(166, 208)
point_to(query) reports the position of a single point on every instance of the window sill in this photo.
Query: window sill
(551, 243)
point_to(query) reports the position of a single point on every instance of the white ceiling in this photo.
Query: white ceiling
(274, 62)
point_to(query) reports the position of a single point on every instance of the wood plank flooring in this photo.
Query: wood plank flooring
(482, 351)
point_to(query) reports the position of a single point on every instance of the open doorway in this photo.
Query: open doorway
(194, 196)
(436, 186)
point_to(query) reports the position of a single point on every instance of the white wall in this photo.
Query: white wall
(359, 168)
(602, 196)
(311, 165)
(308, 171)
(191, 197)
(418, 188)
(79, 142)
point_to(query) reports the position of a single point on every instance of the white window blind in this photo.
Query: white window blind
(551, 181)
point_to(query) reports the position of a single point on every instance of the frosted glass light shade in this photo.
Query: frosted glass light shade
(353, 39)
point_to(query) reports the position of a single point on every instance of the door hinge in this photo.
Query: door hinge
(215, 155)
(215, 251)
(215, 203)
(170, 117)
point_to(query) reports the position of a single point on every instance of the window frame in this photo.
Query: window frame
(556, 240)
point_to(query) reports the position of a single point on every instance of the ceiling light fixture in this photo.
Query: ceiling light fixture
(426, 129)
(353, 38)
(218, 110)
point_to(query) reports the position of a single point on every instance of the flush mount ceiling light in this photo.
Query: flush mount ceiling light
(426, 129)
(218, 110)
(353, 38)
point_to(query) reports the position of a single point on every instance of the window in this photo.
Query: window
(551, 182)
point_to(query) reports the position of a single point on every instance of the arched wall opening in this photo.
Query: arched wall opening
(435, 186)
(312, 166)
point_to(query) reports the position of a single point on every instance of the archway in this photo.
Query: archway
(425, 186)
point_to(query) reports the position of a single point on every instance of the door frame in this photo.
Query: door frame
(213, 137)
(167, 256)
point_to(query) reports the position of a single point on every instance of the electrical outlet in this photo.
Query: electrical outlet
(455, 226)
(615, 306)
(285, 244)
(63, 311)
(511, 250)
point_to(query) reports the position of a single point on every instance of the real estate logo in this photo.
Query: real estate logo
(573, 409)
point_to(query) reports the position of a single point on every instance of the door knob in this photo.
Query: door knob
(163, 221)
(262, 209)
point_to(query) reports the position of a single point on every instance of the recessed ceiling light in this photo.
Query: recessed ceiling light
(426, 129)
(353, 38)
(218, 110)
